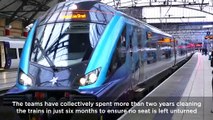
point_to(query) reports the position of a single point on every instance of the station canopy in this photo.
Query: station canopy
(151, 11)
(168, 11)
(24, 10)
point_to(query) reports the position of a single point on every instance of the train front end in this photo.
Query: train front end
(59, 59)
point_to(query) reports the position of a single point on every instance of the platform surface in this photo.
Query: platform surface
(188, 93)
(7, 79)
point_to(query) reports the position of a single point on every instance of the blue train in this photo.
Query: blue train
(88, 50)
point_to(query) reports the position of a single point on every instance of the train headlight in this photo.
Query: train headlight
(93, 77)
(83, 81)
(89, 78)
(25, 80)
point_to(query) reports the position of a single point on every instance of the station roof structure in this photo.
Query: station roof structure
(150, 11)
(154, 11)
(169, 11)
(184, 19)
(25, 10)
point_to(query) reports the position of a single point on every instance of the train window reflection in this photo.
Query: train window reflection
(66, 43)
(12, 53)
(20, 51)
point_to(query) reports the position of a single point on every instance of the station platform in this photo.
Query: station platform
(185, 95)
(7, 79)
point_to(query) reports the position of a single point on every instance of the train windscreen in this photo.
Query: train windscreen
(68, 33)
(65, 43)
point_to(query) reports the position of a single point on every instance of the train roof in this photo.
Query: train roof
(78, 10)
(88, 7)
(79, 1)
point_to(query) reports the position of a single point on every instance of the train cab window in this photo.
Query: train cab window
(69, 43)
(119, 55)
(12, 53)
(122, 47)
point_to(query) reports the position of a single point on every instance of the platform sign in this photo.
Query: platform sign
(76, 16)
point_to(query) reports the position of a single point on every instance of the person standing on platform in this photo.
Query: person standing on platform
(211, 62)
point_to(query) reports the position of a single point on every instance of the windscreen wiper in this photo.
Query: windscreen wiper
(44, 53)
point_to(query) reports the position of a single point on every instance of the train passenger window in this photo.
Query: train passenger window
(19, 51)
(139, 37)
(122, 47)
(12, 53)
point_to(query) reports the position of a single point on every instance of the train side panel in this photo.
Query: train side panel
(148, 54)
(10, 51)
(15, 52)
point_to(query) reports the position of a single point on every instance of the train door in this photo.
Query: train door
(2, 55)
(7, 58)
(13, 55)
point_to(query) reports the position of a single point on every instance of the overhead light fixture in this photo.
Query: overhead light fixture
(29, 26)
(73, 7)
(207, 26)
(8, 26)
